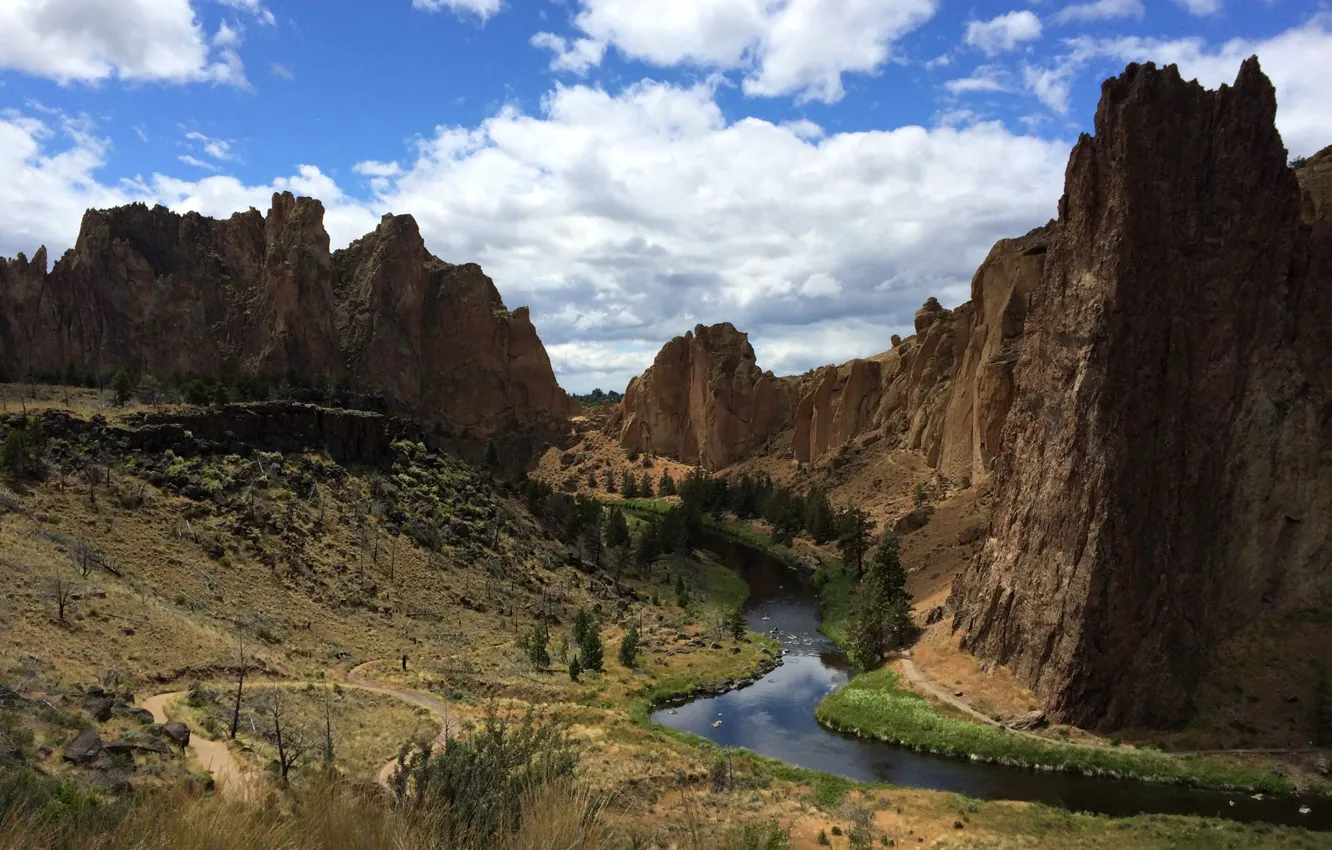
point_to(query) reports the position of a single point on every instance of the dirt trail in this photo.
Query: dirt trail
(922, 682)
(356, 678)
(227, 772)
(212, 755)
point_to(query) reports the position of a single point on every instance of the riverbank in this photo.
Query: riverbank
(736, 531)
(878, 705)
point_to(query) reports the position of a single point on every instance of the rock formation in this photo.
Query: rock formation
(944, 391)
(1166, 474)
(704, 400)
(156, 292)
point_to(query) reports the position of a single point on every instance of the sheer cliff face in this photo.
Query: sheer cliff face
(1166, 473)
(703, 400)
(162, 293)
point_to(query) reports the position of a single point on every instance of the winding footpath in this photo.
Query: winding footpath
(231, 778)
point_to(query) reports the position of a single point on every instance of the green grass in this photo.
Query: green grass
(738, 531)
(835, 584)
(876, 705)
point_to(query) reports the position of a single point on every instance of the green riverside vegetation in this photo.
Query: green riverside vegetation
(876, 705)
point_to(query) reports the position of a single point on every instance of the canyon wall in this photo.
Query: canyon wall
(152, 291)
(1166, 471)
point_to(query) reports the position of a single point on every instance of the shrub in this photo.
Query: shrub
(591, 651)
(763, 835)
(483, 781)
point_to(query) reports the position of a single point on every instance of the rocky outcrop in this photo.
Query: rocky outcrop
(1166, 473)
(704, 400)
(944, 391)
(152, 291)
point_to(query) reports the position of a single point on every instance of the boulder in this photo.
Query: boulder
(99, 707)
(934, 615)
(85, 748)
(1029, 721)
(177, 733)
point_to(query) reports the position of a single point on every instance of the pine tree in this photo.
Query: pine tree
(735, 623)
(590, 650)
(123, 386)
(492, 460)
(536, 646)
(645, 486)
(582, 624)
(617, 529)
(880, 618)
(575, 668)
(610, 481)
(592, 482)
(629, 647)
(666, 486)
(856, 527)
(629, 485)
(681, 592)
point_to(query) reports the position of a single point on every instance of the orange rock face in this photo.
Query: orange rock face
(1166, 473)
(703, 401)
(165, 294)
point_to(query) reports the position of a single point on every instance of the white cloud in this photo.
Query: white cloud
(1293, 60)
(1100, 10)
(1201, 8)
(483, 9)
(1004, 32)
(783, 47)
(141, 40)
(370, 168)
(282, 71)
(986, 78)
(216, 148)
(253, 7)
(579, 56)
(227, 36)
(196, 162)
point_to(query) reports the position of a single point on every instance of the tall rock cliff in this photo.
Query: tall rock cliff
(167, 294)
(704, 400)
(1166, 474)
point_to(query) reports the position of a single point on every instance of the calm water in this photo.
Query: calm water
(775, 717)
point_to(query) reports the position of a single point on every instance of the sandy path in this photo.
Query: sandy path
(212, 755)
(921, 682)
(356, 679)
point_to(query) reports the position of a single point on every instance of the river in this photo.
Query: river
(775, 717)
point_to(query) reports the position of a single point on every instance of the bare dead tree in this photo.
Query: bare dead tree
(240, 688)
(328, 729)
(84, 557)
(290, 739)
(62, 590)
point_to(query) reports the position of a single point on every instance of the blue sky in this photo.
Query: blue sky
(810, 170)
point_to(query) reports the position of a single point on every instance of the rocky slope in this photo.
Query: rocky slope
(944, 391)
(166, 294)
(1166, 474)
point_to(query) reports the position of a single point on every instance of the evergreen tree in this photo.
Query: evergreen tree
(647, 548)
(590, 650)
(592, 482)
(617, 529)
(575, 668)
(854, 540)
(582, 624)
(881, 607)
(537, 642)
(591, 538)
(681, 592)
(123, 386)
(666, 486)
(628, 485)
(645, 485)
(819, 521)
(735, 623)
(492, 460)
(629, 647)
(610, 481)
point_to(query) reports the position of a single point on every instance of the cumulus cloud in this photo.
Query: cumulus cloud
(1293, 60)
(143, 40)
(577, 56)
(800, 47)
(1100, 10)
(483, 9)
(986, 78)
(1004, 32)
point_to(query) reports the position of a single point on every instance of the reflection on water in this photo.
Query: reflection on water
(775, 717)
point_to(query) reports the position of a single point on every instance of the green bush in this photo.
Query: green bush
(482, 781)
(629, 647)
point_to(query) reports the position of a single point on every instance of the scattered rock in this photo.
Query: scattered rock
(1322, 767)
(99, 707)
(971, 535)
(12, 754)
(714, 645)
(735, 650)
(85, 748)
(934, 615)
(1029, 721)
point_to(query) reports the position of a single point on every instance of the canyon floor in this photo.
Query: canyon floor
(167, 559)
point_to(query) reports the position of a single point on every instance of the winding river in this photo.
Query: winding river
(775, 717)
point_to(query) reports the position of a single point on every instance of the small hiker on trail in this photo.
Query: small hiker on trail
(404, 662)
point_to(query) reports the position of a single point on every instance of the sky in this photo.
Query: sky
(809, 170)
